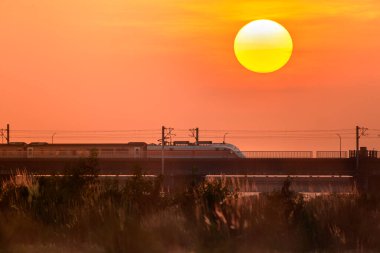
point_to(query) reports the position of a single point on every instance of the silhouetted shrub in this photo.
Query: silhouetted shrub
(134, 215)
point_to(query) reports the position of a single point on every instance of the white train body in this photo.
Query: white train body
(209, 150)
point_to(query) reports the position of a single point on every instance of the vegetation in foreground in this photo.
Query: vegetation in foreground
(77, 213)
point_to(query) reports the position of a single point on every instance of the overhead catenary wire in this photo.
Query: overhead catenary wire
(85, 131)
(282, 131)
(152, 134)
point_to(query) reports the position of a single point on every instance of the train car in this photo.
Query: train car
(13, 150)
(44, 150)
(102, 150)
(204, 149)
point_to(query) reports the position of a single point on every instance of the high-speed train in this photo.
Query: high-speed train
(133, 150)
(203, 149)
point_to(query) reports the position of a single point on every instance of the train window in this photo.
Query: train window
(137, 151)
(30, 152)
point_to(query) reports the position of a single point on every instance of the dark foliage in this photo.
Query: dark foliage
(135, 215)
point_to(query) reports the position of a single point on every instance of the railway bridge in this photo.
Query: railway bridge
(367, 177)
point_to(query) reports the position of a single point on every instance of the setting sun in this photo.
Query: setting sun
(263, 46)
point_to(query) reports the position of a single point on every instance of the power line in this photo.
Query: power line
(86, 131)
(282, 131)
(151, 134)
(186, 130)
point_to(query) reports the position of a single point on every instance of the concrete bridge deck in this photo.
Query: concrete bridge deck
(204, 166)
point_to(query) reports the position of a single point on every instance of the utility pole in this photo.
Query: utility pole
(340, 145)
(360, 131)
(224, 138)
(165, 134)
(195, 134)
(5, 134)
(2, 135)
(52, 138)
(162, 150)
(357, 148)
(8, 139)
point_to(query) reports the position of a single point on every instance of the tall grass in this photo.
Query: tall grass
(82, 213)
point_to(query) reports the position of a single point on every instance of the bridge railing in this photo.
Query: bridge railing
(173, 154)
(332, 154)
(278, 154)
(365, 153)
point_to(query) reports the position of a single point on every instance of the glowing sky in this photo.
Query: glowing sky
(123, 64)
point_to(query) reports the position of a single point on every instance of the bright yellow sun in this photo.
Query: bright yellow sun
(263, 46)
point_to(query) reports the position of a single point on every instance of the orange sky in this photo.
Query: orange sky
(128, 64)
